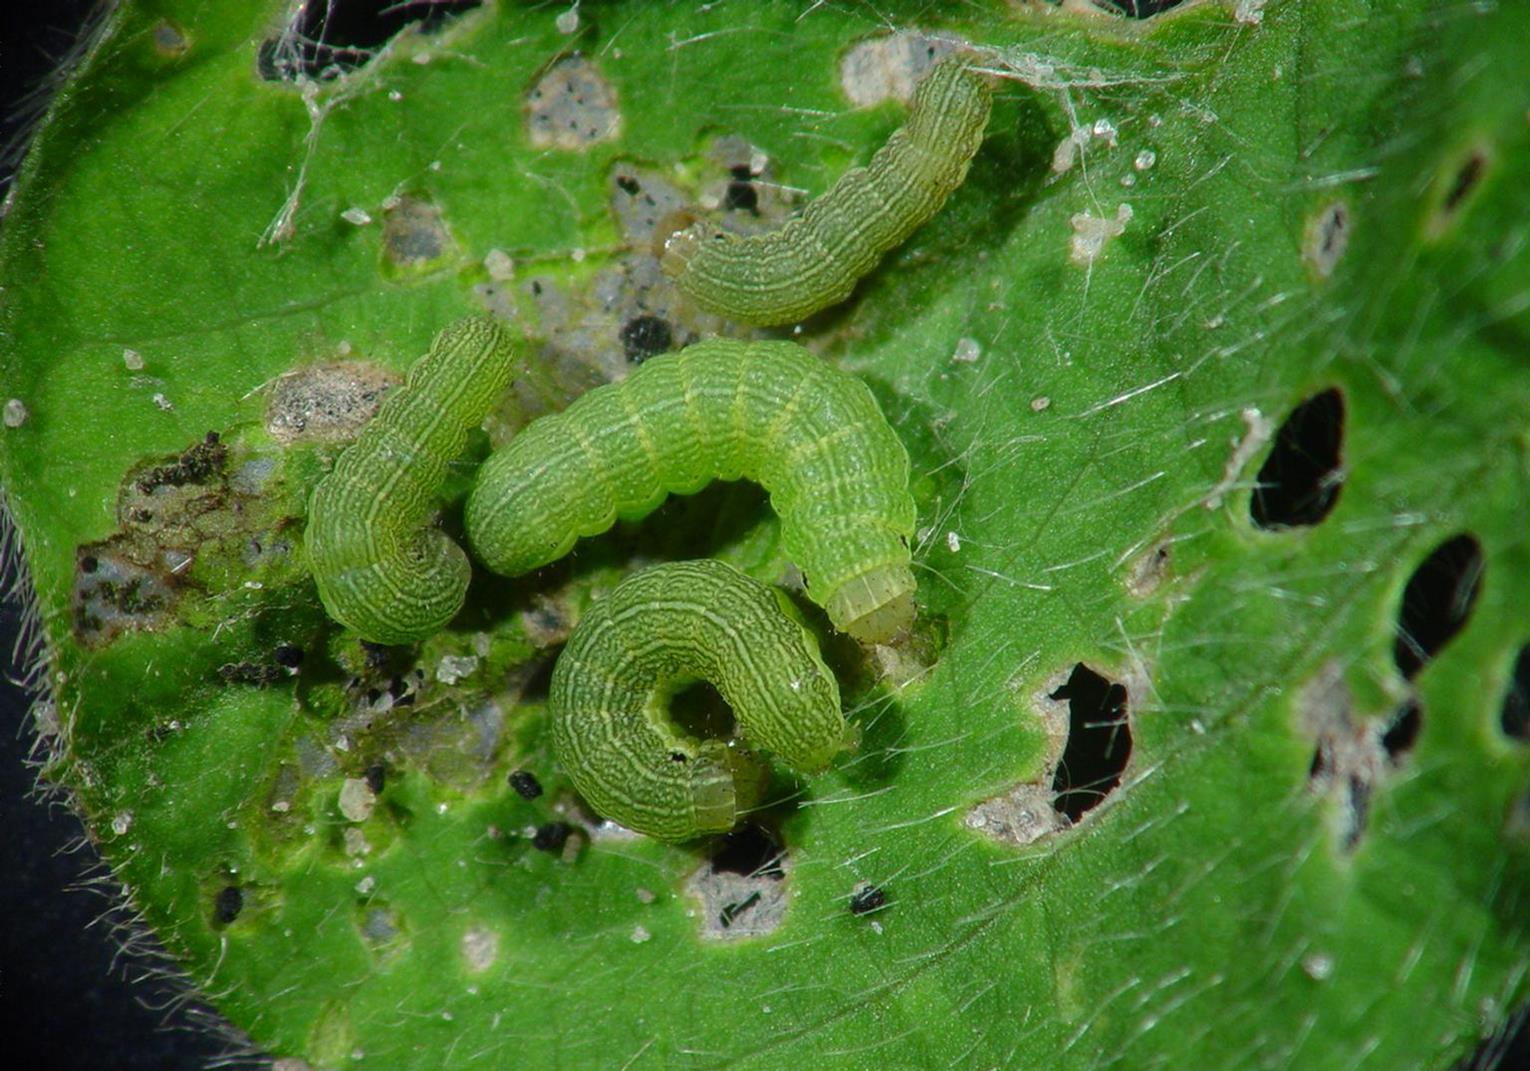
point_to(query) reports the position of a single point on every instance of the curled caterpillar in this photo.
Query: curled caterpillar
(720, 410)
(815, 260)
(657, 632)
(379, 569)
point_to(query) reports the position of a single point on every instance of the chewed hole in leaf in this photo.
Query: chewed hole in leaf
(1459, 180)
(742, 888)
(227, 905)
(1099, 741)
(1326, 238)
(1436, 602)
(741, 194)
(328, 38)
(415, 236)
(1299, 483)
(1466, 179)
(1399, 737)
(551, 837)
(1137, 9)
(1348, 758)
(1515, 716)
(572, 106)
(749, 851)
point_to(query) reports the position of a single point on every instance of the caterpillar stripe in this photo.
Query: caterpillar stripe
(660, 630)
(379, 569)
(815, 260)
(720, 410)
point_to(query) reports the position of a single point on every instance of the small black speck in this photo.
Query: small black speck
(210, 438)
(229, 903)
(1466, 178)
(525, 784)
(376, 778)
(646, 336)
(288, 655)
(551, 837)
(88, 564)
(677, 756)
(536, 288)
(867, 898)
(730, 912)
(630, 186)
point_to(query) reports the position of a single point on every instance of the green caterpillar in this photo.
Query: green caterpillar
(379, 569)
(660, 630)
(815, 260)
(720, 410)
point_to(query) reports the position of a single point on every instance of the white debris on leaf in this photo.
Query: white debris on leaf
(357, 799)
(453, 668)
(567, 22)
(967, 351)
(499, 265)
(1091, 233)
(164, 403)
(884, 68)
(326, 402)
(1318, 966)
(1019, 817)
(356, 216)
(15, 413)
(1257, 431)
(1249, 12)
(1067, 151)
(480, 947)
(132, 360)
(1145, 159)
(953, 542)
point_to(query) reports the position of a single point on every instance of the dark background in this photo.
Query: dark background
(67, 1000)
(63, 1005)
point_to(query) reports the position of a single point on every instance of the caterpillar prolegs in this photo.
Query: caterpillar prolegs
(815, 260)
(771, 412)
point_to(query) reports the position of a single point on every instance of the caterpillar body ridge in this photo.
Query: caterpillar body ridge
(658, 631)
(771, 412)
(815, 259)
(380, 569)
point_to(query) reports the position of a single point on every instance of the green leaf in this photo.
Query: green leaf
(1318, 853)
